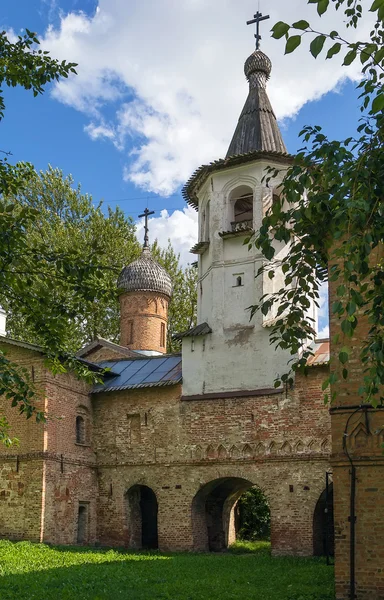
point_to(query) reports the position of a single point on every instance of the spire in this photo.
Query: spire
(257, 129)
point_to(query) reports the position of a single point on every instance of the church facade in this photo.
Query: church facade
(158, 454)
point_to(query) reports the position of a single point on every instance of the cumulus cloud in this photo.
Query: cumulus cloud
(170, 73)
(180, 227)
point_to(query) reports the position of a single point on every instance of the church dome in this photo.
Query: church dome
(257, 62)
(145, 275)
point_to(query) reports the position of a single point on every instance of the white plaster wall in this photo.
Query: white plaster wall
(237, 355)
(3, 321)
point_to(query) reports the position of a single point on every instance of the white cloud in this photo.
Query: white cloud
(180, 227)
(173, 71)
(323, 313)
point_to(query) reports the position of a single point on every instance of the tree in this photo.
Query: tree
(68, 221)
(253, 516)
(331, 213)
(23, 64)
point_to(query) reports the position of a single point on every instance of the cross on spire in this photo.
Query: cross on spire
(257, 18)
(146, 214)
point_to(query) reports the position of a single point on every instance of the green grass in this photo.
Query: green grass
(30, 571)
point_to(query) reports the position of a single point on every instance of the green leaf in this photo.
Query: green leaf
(322, 6)
(335, 49)
(292, 43)
(376, 5)
(378, 103)
(280, 29)
(301, 25)
(343, 357)
(317, 45)
(349, 57)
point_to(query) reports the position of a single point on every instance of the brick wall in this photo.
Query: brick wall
(43, 479)
(149, 437)
(363, 435)
(142, 316)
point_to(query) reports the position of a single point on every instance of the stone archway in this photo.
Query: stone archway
(213, 519)
(142, 509)
(323, 527)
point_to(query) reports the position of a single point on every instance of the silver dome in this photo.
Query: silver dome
(145, 275)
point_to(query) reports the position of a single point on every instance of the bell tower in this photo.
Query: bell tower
(145, 291)
(228, 352)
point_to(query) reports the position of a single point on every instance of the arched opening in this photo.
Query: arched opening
(217, 516)
(242, 208)
(80, 430)
(253, 516)
(82, 524)
(323, 526)
(142, 511)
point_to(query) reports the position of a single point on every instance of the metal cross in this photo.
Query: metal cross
(146, 215)
(257, 18)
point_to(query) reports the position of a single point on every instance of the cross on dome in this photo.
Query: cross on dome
(146, 214)
(257, 18)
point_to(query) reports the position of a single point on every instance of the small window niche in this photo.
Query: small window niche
(238, 280)
(80, 430)
(162, 335)
(82, 523)
(130, 332)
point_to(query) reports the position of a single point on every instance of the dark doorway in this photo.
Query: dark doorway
(82, 524)
(323, 527)
(142, 518)
(213, 513)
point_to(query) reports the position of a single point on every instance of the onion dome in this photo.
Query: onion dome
(145, 275)
(257, 129)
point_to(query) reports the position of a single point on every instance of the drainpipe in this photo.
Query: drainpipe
(352, 518)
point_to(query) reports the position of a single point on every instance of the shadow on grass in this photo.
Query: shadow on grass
(33, 571)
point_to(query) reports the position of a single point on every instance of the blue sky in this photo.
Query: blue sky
(128, 94)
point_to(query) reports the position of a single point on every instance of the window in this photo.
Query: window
(243, 209)
(80, 430)
(130, 332)
(162, 335)
(238, 279)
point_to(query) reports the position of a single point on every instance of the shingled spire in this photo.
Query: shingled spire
(257, 129)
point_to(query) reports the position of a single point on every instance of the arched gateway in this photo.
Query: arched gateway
(142, 517)
(213, 515)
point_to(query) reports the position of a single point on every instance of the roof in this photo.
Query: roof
(102, 343)
(201, 329)
(40, 349)
(145, 275)
(189, 191)
(154, 371)
(257, 129)
(320, 349)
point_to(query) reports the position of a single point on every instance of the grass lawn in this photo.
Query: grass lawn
(247, 572)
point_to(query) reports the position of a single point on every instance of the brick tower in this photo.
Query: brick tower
(146, 289)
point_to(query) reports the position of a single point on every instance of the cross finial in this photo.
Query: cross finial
(146, 214)
(257, 18)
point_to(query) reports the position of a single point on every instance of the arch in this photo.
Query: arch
(222, 452)
(142, 509)
(213, 521)
(323, 526)
(80, 430)
(233, 184)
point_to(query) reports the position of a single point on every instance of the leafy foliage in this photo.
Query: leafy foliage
(254, 516)
(68, 223)
(331, 214)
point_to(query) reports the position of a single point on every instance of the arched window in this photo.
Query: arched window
(80, 430)
(243, 210)
(239, 281)
(241, 203)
